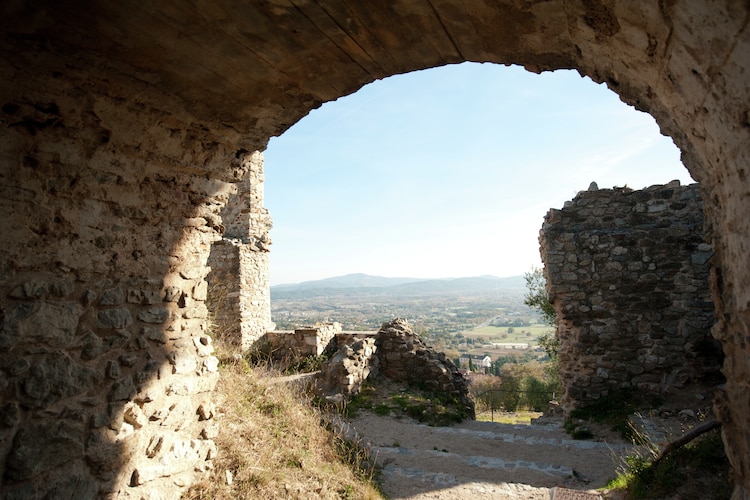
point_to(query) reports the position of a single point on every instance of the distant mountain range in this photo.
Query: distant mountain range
(404, 285)
(357, 280)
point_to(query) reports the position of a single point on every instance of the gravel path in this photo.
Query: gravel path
(487, 460)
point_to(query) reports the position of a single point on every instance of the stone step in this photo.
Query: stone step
(417, 483)
(486, 468)
(488, 455)
(532, 435)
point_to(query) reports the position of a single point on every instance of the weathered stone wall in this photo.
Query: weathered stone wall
(627, 272)
(394, 352)
(239, 296)
(354, 362)
(106, 370)
(239, 283)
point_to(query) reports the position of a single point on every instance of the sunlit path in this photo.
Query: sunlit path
(485, 458)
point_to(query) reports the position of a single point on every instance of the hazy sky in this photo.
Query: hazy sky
(449, 172)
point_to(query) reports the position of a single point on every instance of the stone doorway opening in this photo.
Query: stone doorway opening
(448, 172)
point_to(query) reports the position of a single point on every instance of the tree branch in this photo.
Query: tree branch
(685, 439)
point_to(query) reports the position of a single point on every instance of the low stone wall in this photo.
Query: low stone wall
(627, 272)
(302, 341)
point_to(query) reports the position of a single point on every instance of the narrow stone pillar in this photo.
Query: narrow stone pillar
(240, 294)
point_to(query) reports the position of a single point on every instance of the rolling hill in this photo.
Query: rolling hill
(378, 285)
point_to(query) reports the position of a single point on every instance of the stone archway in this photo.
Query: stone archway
(126, 127)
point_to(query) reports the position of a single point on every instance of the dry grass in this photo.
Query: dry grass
(272, 445)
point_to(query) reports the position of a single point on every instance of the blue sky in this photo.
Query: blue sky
(449, 172)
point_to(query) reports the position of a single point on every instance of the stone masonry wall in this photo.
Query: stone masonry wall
(627, 272)
(239, 283)
(106, 368)
(394, 352)
(350, 366)
(102, 102)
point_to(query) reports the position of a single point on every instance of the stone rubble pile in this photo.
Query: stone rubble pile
(343, 375)
(398, 354)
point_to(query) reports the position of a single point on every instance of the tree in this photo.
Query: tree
(536, 295)
(536, 298)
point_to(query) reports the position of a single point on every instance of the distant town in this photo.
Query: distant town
(483, 316)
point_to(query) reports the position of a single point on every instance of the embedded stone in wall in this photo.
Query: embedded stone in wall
(627, 272)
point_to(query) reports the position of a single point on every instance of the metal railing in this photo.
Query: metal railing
(508, 400)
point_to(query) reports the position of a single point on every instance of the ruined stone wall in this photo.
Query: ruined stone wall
(627, 272)
(170, 99)
(239, 283)
(302, 341)
(394, 352)
(239, 297)
(350, 366)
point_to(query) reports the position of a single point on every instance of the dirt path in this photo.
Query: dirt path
(486, 460)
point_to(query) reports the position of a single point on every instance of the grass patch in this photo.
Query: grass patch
(577, 430)
(427, 407)
(519, 334)
(307, 364)
(272, 445)
(366, 399)
(612, 410)
(514, 417)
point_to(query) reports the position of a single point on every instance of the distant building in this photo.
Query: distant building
(480, 362)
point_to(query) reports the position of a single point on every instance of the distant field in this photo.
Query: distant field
(499, 334)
